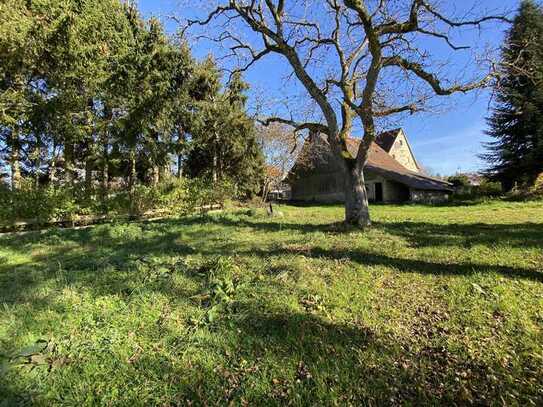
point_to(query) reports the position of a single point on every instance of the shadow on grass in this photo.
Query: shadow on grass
(419, 234)
(350, 363)
(297, 354)
(117, 258)
(286, 358)
(403, 265)
(95, 249)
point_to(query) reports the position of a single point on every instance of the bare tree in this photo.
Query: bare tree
(280, 146)
(345, 54)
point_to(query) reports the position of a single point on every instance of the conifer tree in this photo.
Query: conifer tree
(516, 154)
(225, 146)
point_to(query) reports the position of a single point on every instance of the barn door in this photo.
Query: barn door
(378, 192)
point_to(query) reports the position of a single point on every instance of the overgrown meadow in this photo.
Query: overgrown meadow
(431, 305)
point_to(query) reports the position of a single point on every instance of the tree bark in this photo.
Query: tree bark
(132, 171)
(214, 170)
(356, 199)
(88, 177)
(179, 166)
(105, 155)
(155, 175)
(53, 166)
(14, 161)
(181, 142)
(104, 177)
(69, 162)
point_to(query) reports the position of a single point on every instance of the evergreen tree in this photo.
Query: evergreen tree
(516, 155)
(91, 92)
(225, 146)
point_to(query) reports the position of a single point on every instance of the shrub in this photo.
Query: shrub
(525, 193)
(174, 195)
(64, 203)
(143, 199)
(42, 204)
(203, 194)
(489, 189)
(459, 181)
(486, 189)
(538, 184)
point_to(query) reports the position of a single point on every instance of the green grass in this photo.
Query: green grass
(431, 305)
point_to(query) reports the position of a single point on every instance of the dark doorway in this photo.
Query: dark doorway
(378, 192)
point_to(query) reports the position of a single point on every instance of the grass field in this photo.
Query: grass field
(431, 305)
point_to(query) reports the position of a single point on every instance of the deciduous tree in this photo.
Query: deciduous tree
(345, 53)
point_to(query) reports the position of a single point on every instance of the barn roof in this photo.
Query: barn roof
(382, 163)
(386, 139)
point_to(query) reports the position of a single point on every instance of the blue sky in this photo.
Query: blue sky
(444, 142)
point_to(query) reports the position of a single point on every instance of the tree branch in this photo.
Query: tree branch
(432, 80)
(315, 127)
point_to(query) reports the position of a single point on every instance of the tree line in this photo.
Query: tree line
(95, 97)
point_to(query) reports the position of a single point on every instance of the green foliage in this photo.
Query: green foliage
(459, 180)
(528, 193)
(225, 145)
(42, 204)
(223, 283)
(486, 190)
(204, 194)
(143, 199)
(93, 95)
(61, 203)
(516, 155)
(430, 306)
(489, 189)
(96, 102)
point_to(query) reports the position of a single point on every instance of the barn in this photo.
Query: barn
(392, 173)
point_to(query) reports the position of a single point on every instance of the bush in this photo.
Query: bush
(203, 194)
(459, 181)
(489, 189)
(486, 189)
(143, 199)
(174, 196)
(526, 193)
(65, 203)
(41, 204)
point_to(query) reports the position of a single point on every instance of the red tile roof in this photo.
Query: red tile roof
(380, 162)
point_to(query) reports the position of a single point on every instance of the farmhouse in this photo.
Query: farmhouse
(392, 173)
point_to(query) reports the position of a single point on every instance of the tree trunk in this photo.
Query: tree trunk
(215, 169)
(181, 142)
(356, 199)
(105, 155)
(132, 171)
(53, 166)
(69, 163)
(14, 161)
(88, 177)
(155, 176)
(164, 172)
(36, 161)
(179, 166)
(215, 163)
(104, 177)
